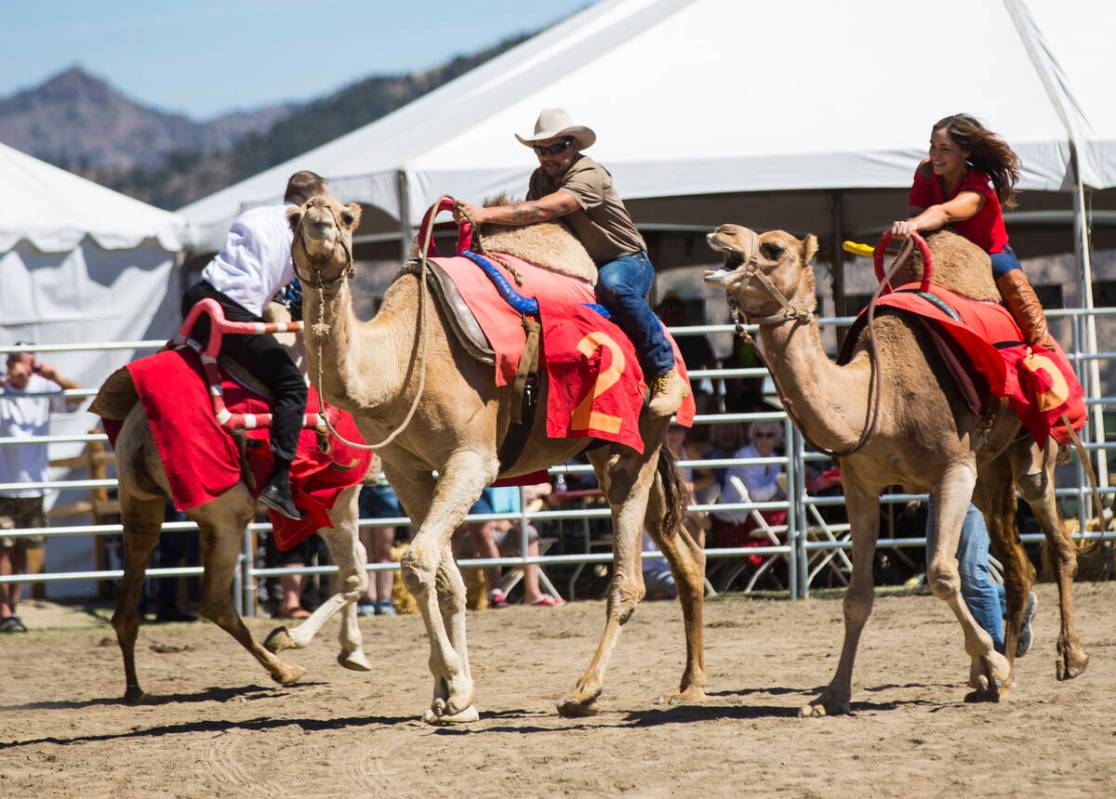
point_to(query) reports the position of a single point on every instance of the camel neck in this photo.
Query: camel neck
(826, 400)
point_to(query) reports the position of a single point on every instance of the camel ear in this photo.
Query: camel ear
(351, 215)
(809, 248)
(294, 217)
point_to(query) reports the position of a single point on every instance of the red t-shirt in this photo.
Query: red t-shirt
(986, 228)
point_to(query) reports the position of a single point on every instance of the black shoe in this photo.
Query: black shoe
(12, 624)
(277, 496)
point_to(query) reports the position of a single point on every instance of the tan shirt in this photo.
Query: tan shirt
(603, 225)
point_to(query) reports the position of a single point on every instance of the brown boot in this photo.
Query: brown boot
(667, 392)
(1020, 299)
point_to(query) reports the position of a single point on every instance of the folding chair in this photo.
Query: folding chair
(734, 568)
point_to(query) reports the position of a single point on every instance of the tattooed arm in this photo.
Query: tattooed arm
(528, 212)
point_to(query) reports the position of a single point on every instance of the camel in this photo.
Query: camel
(926, 439)
(143, 494)
(405, 361)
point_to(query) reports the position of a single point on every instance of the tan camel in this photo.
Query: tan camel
(143, 494)
(375, 371)
(926, 439)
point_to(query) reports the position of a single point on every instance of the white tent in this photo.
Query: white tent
(759, 110)
(80, 264)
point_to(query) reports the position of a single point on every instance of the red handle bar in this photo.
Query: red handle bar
(923, 249)
(464, 229)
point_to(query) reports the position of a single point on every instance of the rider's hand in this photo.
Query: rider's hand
(903, 229)
(474, 213)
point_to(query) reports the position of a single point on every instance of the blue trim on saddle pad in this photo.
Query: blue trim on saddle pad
(936, 301)
(596, 306)
(523, 305)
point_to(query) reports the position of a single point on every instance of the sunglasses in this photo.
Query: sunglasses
(763, 435)
(553, 149)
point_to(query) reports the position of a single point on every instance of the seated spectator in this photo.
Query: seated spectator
(744, 394)
(500, 538)
(725, 441)
(657, 578)
(734, 528)
(378, 501)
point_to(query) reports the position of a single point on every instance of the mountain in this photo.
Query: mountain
(78, 121)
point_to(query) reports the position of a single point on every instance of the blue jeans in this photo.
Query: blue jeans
(1004, 262)
(622, 288)
(983, 595)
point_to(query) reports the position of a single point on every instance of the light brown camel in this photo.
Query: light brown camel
(143, 495)
(926, 439)
(374, 370)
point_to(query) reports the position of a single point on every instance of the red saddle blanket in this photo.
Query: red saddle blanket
(201, 460)
(1037, 381)
(596, 385)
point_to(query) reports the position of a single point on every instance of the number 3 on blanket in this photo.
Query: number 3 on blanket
(584, 417)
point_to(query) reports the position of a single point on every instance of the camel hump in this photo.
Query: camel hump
(959, 265)
(547, 245)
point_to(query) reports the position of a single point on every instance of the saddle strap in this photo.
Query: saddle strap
(528, 366)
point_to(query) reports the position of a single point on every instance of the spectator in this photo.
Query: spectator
(378, 501)
(725, 441)
(734, 528)
(24, 416)
(176, 548)
(288, 603)
(744, 394)
(697, 353)
(500, 538)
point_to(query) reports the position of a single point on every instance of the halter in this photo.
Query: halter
(317, 263)
(752, 271)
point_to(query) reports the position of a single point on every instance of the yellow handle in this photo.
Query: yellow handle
(856, 248)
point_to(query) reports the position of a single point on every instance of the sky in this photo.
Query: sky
(204, 58)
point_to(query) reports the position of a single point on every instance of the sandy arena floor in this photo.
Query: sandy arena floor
(218, 727)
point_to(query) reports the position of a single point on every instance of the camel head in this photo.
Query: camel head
(323, 238)
(783, 259)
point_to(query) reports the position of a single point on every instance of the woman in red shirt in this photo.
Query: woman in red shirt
(969, 173)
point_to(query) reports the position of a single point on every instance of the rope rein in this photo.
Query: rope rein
(800, 316)
(321, 328)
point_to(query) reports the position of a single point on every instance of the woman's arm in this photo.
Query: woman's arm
(964, 206)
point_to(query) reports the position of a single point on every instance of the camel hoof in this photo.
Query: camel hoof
(1068, 665)
(694, 695)
(288, 674)
(439, 715)
(134, 696)
(354, 661)
(278, 640)
(573, 708)
(822, 707)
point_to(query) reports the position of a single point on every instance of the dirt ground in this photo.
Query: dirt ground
(218, 727)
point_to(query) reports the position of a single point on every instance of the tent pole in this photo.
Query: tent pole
(837, 259)
(406, 225)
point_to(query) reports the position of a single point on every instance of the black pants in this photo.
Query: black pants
(265, 359)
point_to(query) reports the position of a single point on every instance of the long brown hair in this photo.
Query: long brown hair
(987, 152)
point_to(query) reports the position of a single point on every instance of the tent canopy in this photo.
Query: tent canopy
(54, 210)
(701, 98)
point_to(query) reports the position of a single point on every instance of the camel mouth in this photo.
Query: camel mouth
(733, 260)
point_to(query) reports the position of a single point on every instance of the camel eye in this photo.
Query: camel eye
(347, 217)
(771, 251)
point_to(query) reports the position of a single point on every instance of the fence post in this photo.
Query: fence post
(246, 589)
(801, 520)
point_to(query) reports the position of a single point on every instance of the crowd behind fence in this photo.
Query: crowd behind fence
(808, 545)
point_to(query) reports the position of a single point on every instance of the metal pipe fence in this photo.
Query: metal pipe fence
(807, 542)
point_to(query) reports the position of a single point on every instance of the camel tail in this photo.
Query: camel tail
(675, 493)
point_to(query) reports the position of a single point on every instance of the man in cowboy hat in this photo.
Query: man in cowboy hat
(576, 189)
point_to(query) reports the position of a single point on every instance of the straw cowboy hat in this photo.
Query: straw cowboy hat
(554, 123)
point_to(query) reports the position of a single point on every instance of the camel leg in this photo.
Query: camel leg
(989, 670)
(995, 496)
(627, 478)
(142, 518)
(348, 553)
(220, 549)
(433, 582)
(687, 565)
(864, 523)
(1036, 484)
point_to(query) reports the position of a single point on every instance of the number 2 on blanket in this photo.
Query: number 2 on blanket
(584, 417)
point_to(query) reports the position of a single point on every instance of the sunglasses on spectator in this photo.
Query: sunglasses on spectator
(553, 149)
(763, 435)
